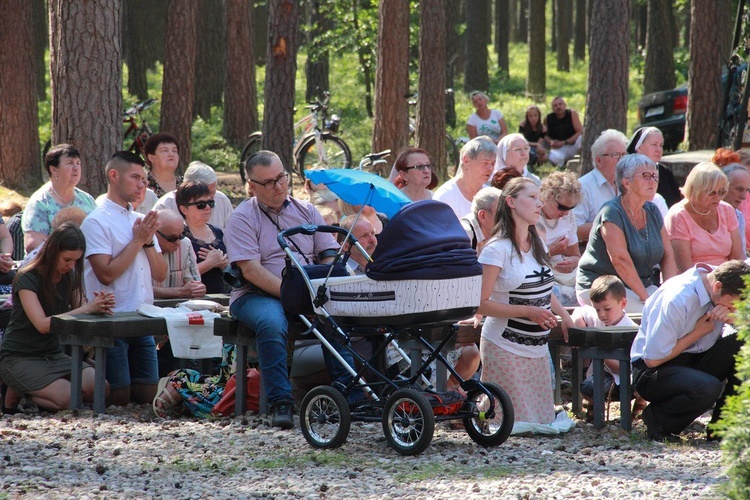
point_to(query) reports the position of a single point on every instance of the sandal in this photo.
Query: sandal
(167, 402)
(638, 405)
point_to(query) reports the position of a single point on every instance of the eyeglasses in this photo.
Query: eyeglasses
(564, 208)
(650, 176)
(172, 239)
(280, 180)
(616, 156)
(201, 205)
(521, 149)
(720, 192)
(422, 168)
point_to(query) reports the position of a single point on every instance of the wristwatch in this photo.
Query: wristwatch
(149, 245)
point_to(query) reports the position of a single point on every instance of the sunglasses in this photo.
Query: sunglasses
(564, 208)
(201, 205)
(423, 168)
(171, 239)
(720, 192)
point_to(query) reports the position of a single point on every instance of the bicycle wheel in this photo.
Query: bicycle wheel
(324, 417)
(451, 155)
(483, 428)
(252, 147)
(336, 154)
(408, 422)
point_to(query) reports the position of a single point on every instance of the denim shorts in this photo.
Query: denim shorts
(132, 361)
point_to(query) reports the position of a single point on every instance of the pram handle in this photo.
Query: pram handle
(309, 230)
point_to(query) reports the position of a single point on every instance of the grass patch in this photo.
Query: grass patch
(438, 470)
(205, 465)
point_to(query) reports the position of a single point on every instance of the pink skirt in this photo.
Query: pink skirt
(526, 380)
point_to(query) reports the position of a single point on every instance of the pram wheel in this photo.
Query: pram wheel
(408, 421)
(324, 417)
(484, 429)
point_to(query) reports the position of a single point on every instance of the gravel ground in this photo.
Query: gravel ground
(131, 453)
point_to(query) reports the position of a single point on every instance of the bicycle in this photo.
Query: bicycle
(370, 162)
(316, 144)
(451, 150)
(139, 133)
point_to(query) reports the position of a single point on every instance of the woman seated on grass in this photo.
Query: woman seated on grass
(32, 361)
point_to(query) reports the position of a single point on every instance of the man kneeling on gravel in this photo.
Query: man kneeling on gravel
(680, 357)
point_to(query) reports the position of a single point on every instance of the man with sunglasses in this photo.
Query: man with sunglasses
(250, 238)
(183, 279)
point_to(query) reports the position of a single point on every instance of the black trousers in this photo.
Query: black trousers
(682, 389)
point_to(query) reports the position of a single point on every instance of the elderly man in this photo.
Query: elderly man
(477, 164)
(122, 258)
(739, 185)
(200, 172)
(183, 279)
(364, 232)
(680, 356)
(564, 131)
(598, 186)
(250, 238)
(479, 222)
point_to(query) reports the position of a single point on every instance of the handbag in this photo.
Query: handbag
(225, 406)
(295, 296)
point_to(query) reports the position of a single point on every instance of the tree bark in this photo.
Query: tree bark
(579, 37)
(513, 21)
(564, 17)
(391, 120)
(241, 95)
(210, 58)
(178, 86)
(607, 95)
(476, 76)
(641, 26)
(536, 81)
(659, 70)
(86, 79)
(281, 70)
(40, 23)
(524, 12)
(452, 16)
(431, 103)
(317, 65)
(704, 77)
(502, 36)
(260, 40)
(19, 142)
(143, 41)
(553, 26)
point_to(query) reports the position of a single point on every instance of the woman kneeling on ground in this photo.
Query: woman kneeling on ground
(32, 361)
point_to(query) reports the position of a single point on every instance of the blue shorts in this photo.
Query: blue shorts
(132, 361)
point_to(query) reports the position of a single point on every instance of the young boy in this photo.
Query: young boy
(609, 301)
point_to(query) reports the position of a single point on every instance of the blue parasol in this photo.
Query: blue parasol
(361, 188)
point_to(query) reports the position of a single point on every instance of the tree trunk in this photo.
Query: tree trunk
(607, 95)
(476, 75)
(281, 71)
(391, 120)
(687, 23)
(704, 77)
(431, 103)
(502, 36)
(536, 81)
(19, 142)
(452, 15)
(641, 27)
(513, 21)
(241, 95)
(523, 19)
(178, 86)
(726, 21)
(317, 66)
(40, 23)
(260, 40)
(659, 70)
(86, 78)
(553, 27)
(564, 16)
(210, 58)
(364, 55)
(579, 37)
(143, 41)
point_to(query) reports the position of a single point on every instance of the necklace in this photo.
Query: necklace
(66, 203)
(547, 224)
(696, 210)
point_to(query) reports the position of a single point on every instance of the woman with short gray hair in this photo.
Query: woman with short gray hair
(628, 237)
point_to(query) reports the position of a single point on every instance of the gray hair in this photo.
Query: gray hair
(627, 166)
(609, 135)
(479, 92)
(733, 167)
(200, 172)
(262, 157)
(486, 199)
(479, 146)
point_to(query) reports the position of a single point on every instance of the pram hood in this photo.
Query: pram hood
(424, 240)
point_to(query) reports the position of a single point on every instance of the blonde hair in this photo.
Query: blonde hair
(704, 178)
(560, 184)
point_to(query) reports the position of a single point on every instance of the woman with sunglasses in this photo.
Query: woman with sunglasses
(628, 238)
(703, 227)
(560, 193)
(415, 174)
(195, 204)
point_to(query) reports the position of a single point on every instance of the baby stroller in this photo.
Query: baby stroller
(424, 278)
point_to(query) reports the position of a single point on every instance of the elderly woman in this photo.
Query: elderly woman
(485, 121)
(163, 158)
(195, 202)
(561, 192)
(63, 164)
(649, 141)
(703, 227)
(513, 153)
(627, 237)
(415, 174)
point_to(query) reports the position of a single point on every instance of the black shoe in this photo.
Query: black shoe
(6, 411)
(654, 432)
(281, 415)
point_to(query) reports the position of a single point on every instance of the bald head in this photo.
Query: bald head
(170, 222)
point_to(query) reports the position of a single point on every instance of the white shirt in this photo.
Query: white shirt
(490, 127)
(108, 230)
(588, 315)
(595, 191)
(219, 214)
(451, 194)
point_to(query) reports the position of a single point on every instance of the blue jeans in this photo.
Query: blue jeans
(132, 361)
(266, 317)
(335, 369)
